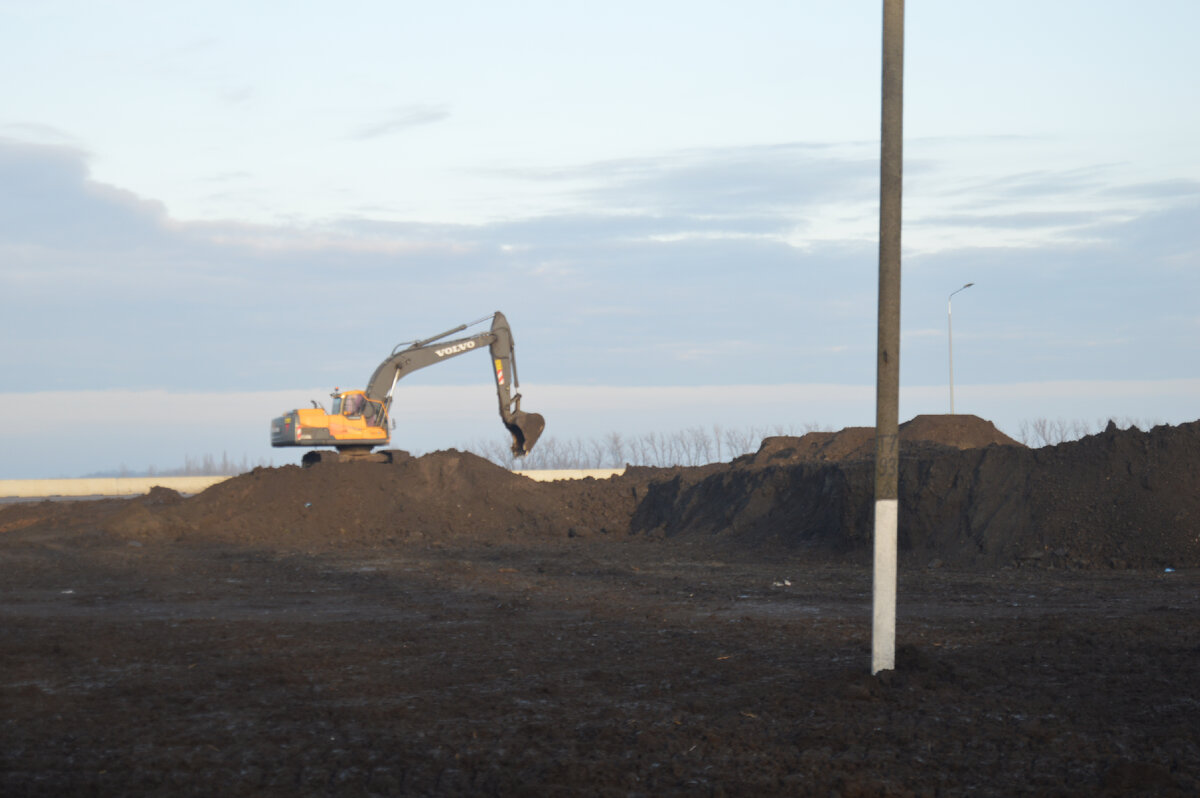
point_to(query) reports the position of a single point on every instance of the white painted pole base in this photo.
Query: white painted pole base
(883, 630)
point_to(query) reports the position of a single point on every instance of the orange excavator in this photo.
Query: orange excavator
(358, 420)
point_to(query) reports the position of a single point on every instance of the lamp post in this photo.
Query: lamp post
(950, 338)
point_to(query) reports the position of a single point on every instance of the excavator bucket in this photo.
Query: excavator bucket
(526, 428)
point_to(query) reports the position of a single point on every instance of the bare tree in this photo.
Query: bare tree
(616, 449)
(1051, 432)
(687, 447)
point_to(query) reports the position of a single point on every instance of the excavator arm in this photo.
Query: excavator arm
(524, 427)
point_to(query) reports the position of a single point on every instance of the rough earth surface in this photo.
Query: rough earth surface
(440, 626)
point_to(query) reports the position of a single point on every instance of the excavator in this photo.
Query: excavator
(358, 421)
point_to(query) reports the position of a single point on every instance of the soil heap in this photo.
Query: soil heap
(969, 496)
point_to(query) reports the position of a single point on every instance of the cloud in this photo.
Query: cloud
(400, 119)
(38, 132)
(1166, 237)
(1027, 221)
(750, 189)
(237, 96)
(1158, 189)
(1037, 185)
(101, 289)
(48, 199)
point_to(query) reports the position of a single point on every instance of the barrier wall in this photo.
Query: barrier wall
(101, 486)
(136, 486)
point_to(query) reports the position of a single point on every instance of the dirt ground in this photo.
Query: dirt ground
(442, 627)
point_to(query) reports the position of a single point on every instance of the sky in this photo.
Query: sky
(212, 213)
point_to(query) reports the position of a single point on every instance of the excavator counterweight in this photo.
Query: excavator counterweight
(358, 421)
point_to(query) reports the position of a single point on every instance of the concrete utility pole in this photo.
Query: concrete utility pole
(950, 338)
(887, 386)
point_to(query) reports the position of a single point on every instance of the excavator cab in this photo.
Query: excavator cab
(356, 404)
(347, 404)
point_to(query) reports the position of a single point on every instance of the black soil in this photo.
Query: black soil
(440, 626)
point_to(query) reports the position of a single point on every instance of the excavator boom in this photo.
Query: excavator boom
(358, 420)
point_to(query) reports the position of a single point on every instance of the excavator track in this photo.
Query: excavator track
(353, 454)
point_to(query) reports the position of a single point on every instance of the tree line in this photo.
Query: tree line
(685, 447)
(700, 445)
(204, 466)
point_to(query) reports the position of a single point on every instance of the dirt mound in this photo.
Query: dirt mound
(957, 431)
(1116, 499)
(968, 496)
(858, 443)
(814, 447)
(440, 495)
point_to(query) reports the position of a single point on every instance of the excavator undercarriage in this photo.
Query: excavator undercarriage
(353, 454)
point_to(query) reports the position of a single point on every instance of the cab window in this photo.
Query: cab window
(352, 404)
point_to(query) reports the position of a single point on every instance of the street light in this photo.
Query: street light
(950, 338)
